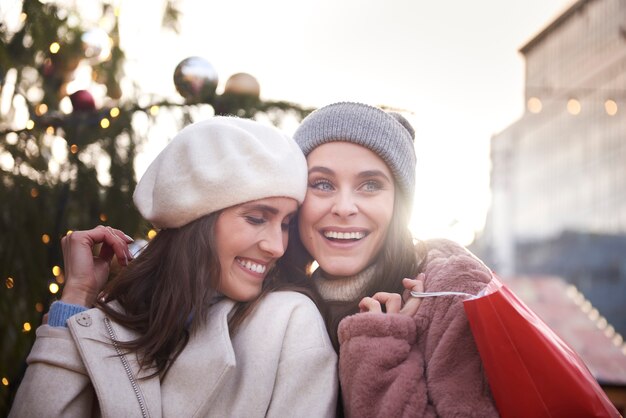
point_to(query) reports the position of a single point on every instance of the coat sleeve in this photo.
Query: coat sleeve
(306, 383)
(380, 368)
(457, 384)
(56, 383)
(397, 366)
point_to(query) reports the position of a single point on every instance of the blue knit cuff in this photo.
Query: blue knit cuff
(60, 312)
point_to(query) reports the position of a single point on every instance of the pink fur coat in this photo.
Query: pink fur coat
(393, 365)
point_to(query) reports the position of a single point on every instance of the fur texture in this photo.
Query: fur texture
(393, 365)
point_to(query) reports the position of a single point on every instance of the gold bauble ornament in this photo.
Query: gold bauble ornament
(242, 84)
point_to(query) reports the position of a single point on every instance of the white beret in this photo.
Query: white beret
(218, 163)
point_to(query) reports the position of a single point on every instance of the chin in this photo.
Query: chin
(251, 296)
(341, 269)
(245, 296)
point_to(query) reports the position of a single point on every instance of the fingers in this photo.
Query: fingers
(368, 304)
(409, 283)
(86, 274)
(412, 304)
(79, 245)
(392, 301)
(114, 242)
(117, 247)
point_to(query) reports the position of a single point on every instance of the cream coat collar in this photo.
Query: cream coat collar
(196, 367)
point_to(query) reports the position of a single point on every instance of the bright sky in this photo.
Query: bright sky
(454, 64)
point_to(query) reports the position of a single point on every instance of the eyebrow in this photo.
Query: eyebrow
(374, 173)
(318, 169)
(362, 174)
(264, 208)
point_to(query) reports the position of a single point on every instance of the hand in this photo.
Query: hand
(394, 302)
(85, 273)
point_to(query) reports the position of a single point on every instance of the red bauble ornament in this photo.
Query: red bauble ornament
(48, 68)
(82, 101)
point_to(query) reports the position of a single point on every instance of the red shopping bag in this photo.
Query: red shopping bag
(531, 371)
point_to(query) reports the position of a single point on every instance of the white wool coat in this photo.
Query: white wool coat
(280, 363)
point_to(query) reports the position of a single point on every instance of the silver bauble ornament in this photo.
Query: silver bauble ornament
(195, 79)
(96, 45)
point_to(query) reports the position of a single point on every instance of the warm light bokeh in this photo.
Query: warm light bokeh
(573, 106)
(53, 288)
(611, 107)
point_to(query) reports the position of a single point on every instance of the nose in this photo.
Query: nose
(344, 205)
(274, 241)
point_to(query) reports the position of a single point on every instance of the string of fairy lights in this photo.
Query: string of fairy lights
(594, 316)
(603, 90)
(573, 106)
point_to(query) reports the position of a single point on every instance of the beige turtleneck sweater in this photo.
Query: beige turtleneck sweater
(343, 289)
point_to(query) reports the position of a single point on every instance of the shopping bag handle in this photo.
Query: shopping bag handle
(434, 294)
(490, 288)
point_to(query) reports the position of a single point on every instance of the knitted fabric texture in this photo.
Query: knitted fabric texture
(218, 163)
(343, 289)
(389, 135)
(60, 312)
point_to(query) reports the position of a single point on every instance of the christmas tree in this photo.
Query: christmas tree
(66, 156)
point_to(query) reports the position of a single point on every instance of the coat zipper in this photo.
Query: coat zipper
(129, 373)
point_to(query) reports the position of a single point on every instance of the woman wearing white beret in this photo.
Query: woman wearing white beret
(194, 326)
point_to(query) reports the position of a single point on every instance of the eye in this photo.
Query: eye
(322, 185)
(288, 223)
(254, 220)
(372, 186)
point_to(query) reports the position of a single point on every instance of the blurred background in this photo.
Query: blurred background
(518, 107)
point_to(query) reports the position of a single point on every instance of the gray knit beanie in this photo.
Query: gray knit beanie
(388, 134)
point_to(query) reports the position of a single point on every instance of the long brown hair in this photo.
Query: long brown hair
(165, 293)
(399, 258)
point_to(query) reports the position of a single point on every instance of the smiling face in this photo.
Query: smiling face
(250, 238)
(345, 216)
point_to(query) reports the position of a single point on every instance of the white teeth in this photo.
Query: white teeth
(257, 268)
(344, 235)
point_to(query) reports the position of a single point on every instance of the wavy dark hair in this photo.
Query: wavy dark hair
(165, 293)
(399, 257)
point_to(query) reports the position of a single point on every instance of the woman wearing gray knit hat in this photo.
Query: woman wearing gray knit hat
(192, 327)
(411, 358)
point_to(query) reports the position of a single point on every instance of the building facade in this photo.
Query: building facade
(558, 176)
